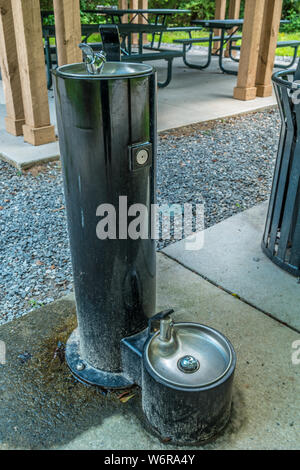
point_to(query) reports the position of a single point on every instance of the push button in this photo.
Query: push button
(140, 156)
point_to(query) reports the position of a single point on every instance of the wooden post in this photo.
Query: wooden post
(246, 88)
(28, 30)
(234, 9)
(268, 42)
(10, 71)
(143, 4)
(220, 12)
(123, 5)
(233, 14)
(134, 5)
(67, 31)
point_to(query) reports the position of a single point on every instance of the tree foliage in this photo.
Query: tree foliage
(203, 9)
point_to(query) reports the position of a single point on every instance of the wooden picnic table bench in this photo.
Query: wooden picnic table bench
(224, 25)
(293, 44)
(126, 31)
(167, 55)
(162, 54)
(188, 42)
(129, 55)
(172, 29)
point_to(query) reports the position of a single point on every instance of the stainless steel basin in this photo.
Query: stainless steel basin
(110, 70)
(195, 356)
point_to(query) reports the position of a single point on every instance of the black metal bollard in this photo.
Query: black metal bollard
(107, 132)
(281, 240)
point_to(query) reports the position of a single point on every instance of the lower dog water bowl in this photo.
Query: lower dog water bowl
(187, 383)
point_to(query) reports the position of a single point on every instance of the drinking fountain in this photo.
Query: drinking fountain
(106, 117)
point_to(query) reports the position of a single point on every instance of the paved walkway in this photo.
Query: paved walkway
(233, 259)
(193, 96)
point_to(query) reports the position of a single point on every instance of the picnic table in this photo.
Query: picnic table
(160, 14)
(138, 54)
(161, 18)
(232, 25)
(126, 30)
(224, 26)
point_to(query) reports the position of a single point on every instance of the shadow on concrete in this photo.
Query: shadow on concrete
(43, 406)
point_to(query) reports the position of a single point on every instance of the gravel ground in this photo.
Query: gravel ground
(226, 164)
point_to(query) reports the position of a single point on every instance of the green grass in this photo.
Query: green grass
(287, 37)
(168, 38)
(281, 51)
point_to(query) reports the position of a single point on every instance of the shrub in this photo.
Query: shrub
(294, 25)
(203, 9)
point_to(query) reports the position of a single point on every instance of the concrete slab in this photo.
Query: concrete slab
(232, 258)
(192, 96)
(21, 154)
(42, 407)
(198, 96)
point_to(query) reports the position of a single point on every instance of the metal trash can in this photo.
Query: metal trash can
(107, 132)
(281, 240)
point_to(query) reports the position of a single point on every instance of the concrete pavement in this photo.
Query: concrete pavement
(42, 407)
(233, 259)
(192, 96)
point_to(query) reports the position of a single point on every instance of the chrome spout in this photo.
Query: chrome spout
(94, 61)
(165, 330)
(162, 326)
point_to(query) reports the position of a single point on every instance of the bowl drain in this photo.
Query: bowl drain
(188, 364)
